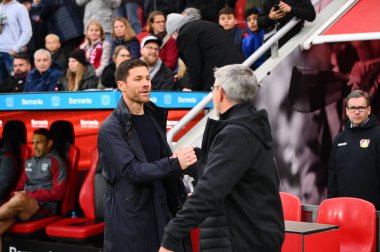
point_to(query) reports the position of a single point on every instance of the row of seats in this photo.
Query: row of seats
(355, 217)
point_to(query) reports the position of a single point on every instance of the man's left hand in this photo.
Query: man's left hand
(162, 249)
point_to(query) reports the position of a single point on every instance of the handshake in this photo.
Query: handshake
(186, 157)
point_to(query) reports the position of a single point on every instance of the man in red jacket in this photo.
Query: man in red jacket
(41, 187)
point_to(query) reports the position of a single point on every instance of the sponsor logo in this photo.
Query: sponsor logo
(27, 102)
(44, 167)
(55, 101)
(39, 123)
(187, 100)
(342, 144)
(170, 124)
(80, 101)
(29, 164)
(364, 143)
(9, 102)
(13, 249)
(167, 99)
(153, 99)
(105, 100)
(89, 124)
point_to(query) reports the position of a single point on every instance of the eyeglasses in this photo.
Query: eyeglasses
(353, 109)
(152, 48)
(213, 87)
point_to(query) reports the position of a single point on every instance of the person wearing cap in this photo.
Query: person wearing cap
(80, 74)
(44, 77)
(202, 45)
(161, 76)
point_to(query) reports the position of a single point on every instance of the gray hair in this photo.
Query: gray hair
(42, 51)
(191, 11)
(239, 82)
(357, 94)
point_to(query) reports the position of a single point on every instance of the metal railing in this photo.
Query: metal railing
(272, 41)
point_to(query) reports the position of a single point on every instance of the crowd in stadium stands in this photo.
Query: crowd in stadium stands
(189, 44)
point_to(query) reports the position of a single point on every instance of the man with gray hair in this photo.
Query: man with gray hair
(43, 77)
(236, 201)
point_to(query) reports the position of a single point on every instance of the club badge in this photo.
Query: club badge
(364, 143)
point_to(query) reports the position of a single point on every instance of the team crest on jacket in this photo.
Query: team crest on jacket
(364, 143)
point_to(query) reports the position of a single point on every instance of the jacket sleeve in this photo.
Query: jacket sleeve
(223, 170)
(119, 159)
(170, 54)
(25, 27)
(82, 2)
(59, 181)
(331, 184)
(264, 21)
(134, 49)
(304, 11)
(28, 83)
(53, 79)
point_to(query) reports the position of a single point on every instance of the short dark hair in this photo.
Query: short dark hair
(250, 11)
(43, 132)
(22, 56)
(226, 11)
(122, 72)
(357, 94)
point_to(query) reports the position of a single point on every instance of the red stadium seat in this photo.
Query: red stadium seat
(356, 219)
(291, 206)
(91, 201)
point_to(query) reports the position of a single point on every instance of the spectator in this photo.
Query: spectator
(101, 10)
(236, 202)
(130, 10)
(168, 50)
(21, 69)
(15, 33)
(43, 77)
(120, 54)
(190, 11)
(97, 49)
(42, 187)
(277, 13)
(123, 34)
(39, 27)
(63, 19)
(210, 9)
(80, 75)
(202, 45)
(160, 76)
(53, 45)
(9, 171)
(228, 21)
(255, 37)
(145, 187)
(354, 161)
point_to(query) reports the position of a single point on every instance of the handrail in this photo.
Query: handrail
(248, 62)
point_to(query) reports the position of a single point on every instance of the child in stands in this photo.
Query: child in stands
(53, 45)
(227, 20)
(255, 36)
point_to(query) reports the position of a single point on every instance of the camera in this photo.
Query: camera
(276, 7)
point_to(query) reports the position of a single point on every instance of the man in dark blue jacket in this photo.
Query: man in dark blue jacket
(236, 201)
(144, 179)
(355, 158)
(43, 77)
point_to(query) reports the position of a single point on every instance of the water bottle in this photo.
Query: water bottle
(74, 214)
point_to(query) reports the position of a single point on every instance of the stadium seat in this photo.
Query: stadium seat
(14, 132)
(90, 227)
(356, 219)
(291, 206)
(64, 135)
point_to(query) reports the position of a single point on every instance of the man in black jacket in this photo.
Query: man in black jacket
(202, 46)
(21, 69)
(144, 180)
(236, 200)
(355, 157)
